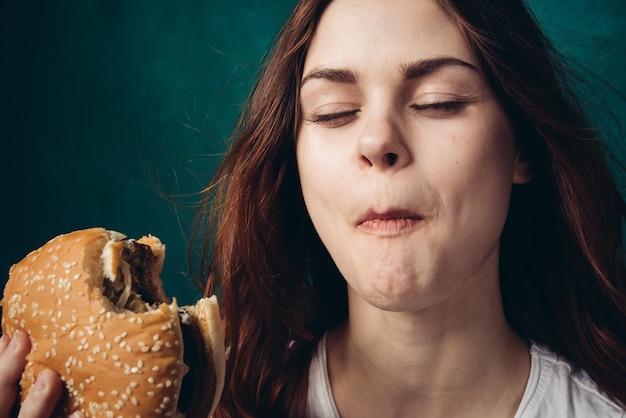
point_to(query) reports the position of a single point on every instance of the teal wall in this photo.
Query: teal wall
(112, 111)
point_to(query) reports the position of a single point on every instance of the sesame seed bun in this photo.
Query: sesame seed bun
(94, 307)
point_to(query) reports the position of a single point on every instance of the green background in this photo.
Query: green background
(114, 113)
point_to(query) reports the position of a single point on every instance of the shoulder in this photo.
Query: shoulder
(558, 388)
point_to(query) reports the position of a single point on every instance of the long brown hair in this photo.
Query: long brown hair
(562, 268)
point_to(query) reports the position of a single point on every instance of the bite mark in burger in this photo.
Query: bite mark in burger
(94, 307)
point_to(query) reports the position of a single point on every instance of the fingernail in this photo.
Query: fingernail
(14, 343)
(77, 414)
(40, 383)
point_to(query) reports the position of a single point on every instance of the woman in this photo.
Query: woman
(396, 133)
(415, 219)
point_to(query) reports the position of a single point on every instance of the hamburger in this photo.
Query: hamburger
(93, 303)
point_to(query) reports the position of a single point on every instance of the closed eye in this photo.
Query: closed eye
(334, 119)
(439, 108)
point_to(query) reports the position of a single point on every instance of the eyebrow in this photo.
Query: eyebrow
(409, 71)
(421, 68)
(335, 75)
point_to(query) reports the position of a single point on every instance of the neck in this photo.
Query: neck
(459, 358)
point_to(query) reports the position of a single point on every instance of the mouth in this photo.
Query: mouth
(389, 223)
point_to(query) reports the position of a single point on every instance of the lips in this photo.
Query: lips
(389, 223)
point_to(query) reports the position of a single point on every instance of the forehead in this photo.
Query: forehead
(373, 33)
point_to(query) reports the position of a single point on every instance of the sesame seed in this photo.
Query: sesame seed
(151, 394)
(114, 393)
(101, 394)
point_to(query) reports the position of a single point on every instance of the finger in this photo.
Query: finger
(12, 361)
(43, 396)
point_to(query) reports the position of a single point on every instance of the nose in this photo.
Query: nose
(381, 145)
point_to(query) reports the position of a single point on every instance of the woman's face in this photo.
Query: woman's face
(405, 157)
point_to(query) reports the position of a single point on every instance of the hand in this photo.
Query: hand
(43, 396)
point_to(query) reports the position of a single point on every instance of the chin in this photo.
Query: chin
(401, 291)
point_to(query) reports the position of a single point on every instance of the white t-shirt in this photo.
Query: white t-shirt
(556, 388)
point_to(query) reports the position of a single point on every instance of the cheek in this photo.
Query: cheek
(473, 171)
(320, 176)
